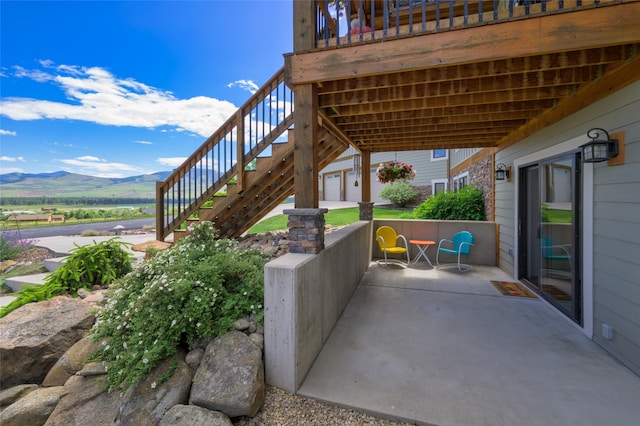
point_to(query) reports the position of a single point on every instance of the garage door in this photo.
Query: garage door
(332, 187)
(353, 192)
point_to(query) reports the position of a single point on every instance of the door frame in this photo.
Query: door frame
(587, 224)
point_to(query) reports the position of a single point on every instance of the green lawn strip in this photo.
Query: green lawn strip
(337, 217)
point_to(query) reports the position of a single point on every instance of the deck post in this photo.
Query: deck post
(306, 230)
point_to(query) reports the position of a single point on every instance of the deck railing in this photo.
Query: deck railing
(225, 155)
(385, 19)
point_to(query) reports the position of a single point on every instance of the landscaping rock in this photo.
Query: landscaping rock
(84, 401)
(33, 409)
(11, 395)
(194, 358)
(35, 336)
(148, 401)
(191, 415)
(71, 362)
(230, 377)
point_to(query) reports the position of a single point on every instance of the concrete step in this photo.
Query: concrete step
(5, 300)
(16, 283)
(54, 263)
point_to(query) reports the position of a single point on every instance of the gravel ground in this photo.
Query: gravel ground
(284, 409)
(35, 254)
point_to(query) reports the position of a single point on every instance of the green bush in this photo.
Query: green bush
(399, 193)
(99, 264)
(87, 266)
(465, 204)
(195, 289)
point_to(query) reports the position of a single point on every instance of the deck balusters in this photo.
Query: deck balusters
(267, 114)
(403, 16)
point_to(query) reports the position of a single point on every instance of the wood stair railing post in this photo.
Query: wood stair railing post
(240, 148)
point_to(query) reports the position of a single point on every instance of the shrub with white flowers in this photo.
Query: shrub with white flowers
(195, 289)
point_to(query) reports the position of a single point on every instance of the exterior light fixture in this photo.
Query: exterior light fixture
(502, 172)
(600, 148)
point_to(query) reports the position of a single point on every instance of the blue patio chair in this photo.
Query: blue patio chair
(552, 251)
(387, 240)
(460, 246)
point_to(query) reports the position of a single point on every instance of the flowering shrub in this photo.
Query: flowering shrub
(12, 244)
(399, 193)
(196, 289)
(395, 170)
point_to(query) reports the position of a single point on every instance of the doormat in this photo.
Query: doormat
(555, 292)
(512, 289)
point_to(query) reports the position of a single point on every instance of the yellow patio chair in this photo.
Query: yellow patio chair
(387, 240)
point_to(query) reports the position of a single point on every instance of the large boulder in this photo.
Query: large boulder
(230, 377)
(11, 395)
(35, 336)
(71, 362)
(148, 401)
(192, 415)
(33, 409)
(84, 401)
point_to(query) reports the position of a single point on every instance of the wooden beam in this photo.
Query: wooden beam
(303, 25)
(305, 147)
(365, 172)
(575, 30)
(611, 82)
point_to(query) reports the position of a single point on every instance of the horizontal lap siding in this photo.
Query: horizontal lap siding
(617, 247)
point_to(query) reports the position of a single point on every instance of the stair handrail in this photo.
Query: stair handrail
(242, 138)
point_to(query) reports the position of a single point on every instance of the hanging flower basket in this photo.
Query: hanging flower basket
(395, 170)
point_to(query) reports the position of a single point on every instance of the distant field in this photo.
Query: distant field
(62, 207)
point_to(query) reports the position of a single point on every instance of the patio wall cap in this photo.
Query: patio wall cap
(305, 212)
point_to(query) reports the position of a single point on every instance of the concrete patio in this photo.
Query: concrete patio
(440, 347)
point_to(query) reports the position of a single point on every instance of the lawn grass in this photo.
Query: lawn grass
(337, 217)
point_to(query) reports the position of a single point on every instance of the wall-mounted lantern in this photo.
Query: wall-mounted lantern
(600, 148)
(502, 172)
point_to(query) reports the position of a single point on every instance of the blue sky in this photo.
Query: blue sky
(122, 88)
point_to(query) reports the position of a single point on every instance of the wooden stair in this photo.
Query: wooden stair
(268, 185)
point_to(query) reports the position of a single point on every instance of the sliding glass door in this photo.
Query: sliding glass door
(549, 231)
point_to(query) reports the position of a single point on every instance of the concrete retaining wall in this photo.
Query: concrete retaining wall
(483, 252)
(304, 296)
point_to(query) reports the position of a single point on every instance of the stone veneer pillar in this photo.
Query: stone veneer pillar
(306, 230)
(366, 210)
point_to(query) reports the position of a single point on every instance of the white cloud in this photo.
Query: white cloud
(7, 133)
(11, 159)
(90, 158)
(96, 95)
(143, 142)
(247, 85)
(171, 161)
(94, 166)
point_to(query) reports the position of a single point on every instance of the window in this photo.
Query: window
(438, 185)
(460, 181)
(439, 154)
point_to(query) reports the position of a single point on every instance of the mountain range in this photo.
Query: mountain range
(65, 184)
